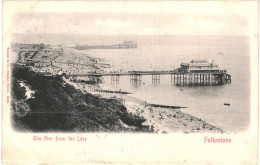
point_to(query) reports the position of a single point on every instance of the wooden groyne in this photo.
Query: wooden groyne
(165, 106)
(107, 91)
(110, 91)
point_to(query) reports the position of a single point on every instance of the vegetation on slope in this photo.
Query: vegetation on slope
(60, 107)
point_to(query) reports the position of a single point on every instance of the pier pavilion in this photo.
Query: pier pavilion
(200, 72)
(195, 73)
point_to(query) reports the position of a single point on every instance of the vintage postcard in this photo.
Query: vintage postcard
(130, 82)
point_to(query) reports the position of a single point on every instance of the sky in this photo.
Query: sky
(133, 22)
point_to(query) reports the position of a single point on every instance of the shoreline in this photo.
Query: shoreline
(164, 119)
(159, 118)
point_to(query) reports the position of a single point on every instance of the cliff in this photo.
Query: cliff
(56, 106)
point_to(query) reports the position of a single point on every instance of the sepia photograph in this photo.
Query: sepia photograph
(129, 82)
(128, 71)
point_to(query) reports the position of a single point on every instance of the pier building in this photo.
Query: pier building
(200, 72)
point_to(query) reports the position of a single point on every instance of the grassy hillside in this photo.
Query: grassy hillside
(59, 107)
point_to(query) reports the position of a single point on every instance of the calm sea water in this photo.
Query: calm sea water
(166, 53)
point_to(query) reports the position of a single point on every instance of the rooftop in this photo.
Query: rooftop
(199, 61)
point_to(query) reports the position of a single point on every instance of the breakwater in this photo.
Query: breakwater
(165, 106)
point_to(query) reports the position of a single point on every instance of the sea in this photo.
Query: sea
(167, 52)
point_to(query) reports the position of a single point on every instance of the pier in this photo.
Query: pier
(181, 78)
(195, 73)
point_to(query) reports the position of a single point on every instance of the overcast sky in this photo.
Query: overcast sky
(106, 23)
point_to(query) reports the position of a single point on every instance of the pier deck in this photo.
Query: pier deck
(126, 73)
(201, 77)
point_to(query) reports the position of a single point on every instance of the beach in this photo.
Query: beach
(160, 120)
(209, 115)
